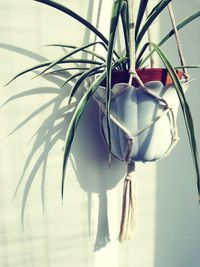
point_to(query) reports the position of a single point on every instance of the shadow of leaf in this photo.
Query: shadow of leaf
(31, 92)
(53, 129)
(23, 52)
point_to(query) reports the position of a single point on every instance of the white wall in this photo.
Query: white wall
(76, 233)
(177, 210)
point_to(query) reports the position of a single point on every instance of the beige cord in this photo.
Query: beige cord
(149, 33)
(132, 71)
(128, 218)
(91, 79)
(178, 42)
(97, 23)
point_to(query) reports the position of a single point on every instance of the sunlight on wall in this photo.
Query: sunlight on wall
(83, 231)
(177, 239)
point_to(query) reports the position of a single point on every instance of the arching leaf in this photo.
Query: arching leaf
(179, 26)
(185, 110)
(150, 19)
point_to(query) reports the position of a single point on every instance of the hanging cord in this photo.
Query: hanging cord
(179, 47)
(149, 33)
(132, 71)
(128, 218)
(97, 23)
(95, 37)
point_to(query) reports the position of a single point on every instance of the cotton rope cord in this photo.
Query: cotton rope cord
(129, 210)
(178, 42)
(128, 216)
(95, 37)
(132, 59)
(131, 136)
(149, 33)
(129, 202)
(97, 22)
(131, 6)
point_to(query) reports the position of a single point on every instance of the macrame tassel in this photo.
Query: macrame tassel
(128, 218)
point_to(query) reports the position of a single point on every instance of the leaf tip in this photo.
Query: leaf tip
(199, 199)
(22, 220)
(6, 84)
(69, 101)
(62, 195)
(35, 76)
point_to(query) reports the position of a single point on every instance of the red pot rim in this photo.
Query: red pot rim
(145, 74)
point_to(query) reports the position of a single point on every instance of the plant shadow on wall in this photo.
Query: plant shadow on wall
(136, 103)
(52, 130)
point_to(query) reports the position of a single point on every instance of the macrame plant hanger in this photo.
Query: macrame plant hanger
(129, 207)
(129, 210)
(178, 42)
(129, 217)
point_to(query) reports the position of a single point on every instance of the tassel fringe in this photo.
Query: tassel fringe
(128, 217)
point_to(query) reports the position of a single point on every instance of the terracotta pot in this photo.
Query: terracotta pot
(145, 74)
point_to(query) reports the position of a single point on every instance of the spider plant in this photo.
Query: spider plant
(100, 67)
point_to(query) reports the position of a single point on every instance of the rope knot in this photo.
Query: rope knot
(128, 178)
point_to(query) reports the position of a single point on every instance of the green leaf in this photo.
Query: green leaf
(116, 11)
(124, 17)
(44, 64)
(188, 67)
(179, 26)
(150, 19)
(84, 76)
(78, 18)
(138, 60)
(85, 50)
(185, 110)
(74, 122)
(77, 115)
(75, 16)
(57, 72)
(58, 61)
(71, 78)
(47, 63)
(140, 15)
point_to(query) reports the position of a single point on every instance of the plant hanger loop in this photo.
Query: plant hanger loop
(149, 35)
(97, 23)
(178, 42)
(95, 37)
(132, 51)
(131, 4)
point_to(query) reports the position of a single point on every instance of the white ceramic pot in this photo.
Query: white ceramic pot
(143, 121)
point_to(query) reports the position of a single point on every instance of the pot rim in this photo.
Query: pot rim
(145, 74)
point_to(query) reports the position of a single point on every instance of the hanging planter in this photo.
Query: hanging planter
(138, 105)
(143, 119)
(140, 116)
(143, 127)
